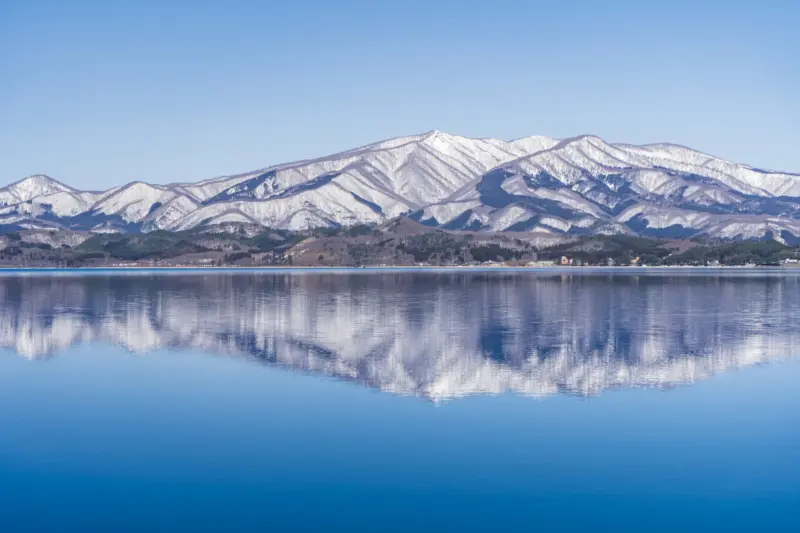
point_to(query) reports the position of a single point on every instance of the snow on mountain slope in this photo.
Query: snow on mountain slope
(203, 190)
(29, 188)
(508, 217)
(682, 158)
(68, 203)
(416, 170)
(659, 217)
(666, 185)
(327, 206)
(582, 184)
(171, 212)
(366, 184)
(753, 227)
(447, 212)
(529, 145)
(574, 160)
(36, 195)
(682, 222)
(133, 202)
(231, 216)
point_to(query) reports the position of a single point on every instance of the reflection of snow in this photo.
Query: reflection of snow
(434, 335)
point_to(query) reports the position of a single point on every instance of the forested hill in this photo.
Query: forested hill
(401, 242)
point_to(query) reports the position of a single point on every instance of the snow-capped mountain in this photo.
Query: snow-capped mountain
(573, 186)
(535, 335)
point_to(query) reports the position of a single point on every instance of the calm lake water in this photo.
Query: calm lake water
(634, 400)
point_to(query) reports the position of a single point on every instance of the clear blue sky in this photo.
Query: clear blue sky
(99, 95)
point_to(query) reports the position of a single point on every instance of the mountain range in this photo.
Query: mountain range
(576, 186)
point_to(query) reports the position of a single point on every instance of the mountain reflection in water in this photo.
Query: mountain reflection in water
(437, 335)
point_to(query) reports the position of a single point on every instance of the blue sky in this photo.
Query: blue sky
(99, 95)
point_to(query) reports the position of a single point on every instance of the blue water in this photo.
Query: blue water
(529, 401)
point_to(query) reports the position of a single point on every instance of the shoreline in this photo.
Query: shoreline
(392, 267)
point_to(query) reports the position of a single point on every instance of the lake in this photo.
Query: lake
(392, 400)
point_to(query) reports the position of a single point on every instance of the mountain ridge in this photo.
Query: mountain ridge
(575, 186)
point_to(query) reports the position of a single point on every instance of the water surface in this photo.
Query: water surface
(400, 401)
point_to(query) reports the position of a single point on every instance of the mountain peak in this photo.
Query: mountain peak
(584, 140)
(439, 136)
(39, 179)
(34, 186)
